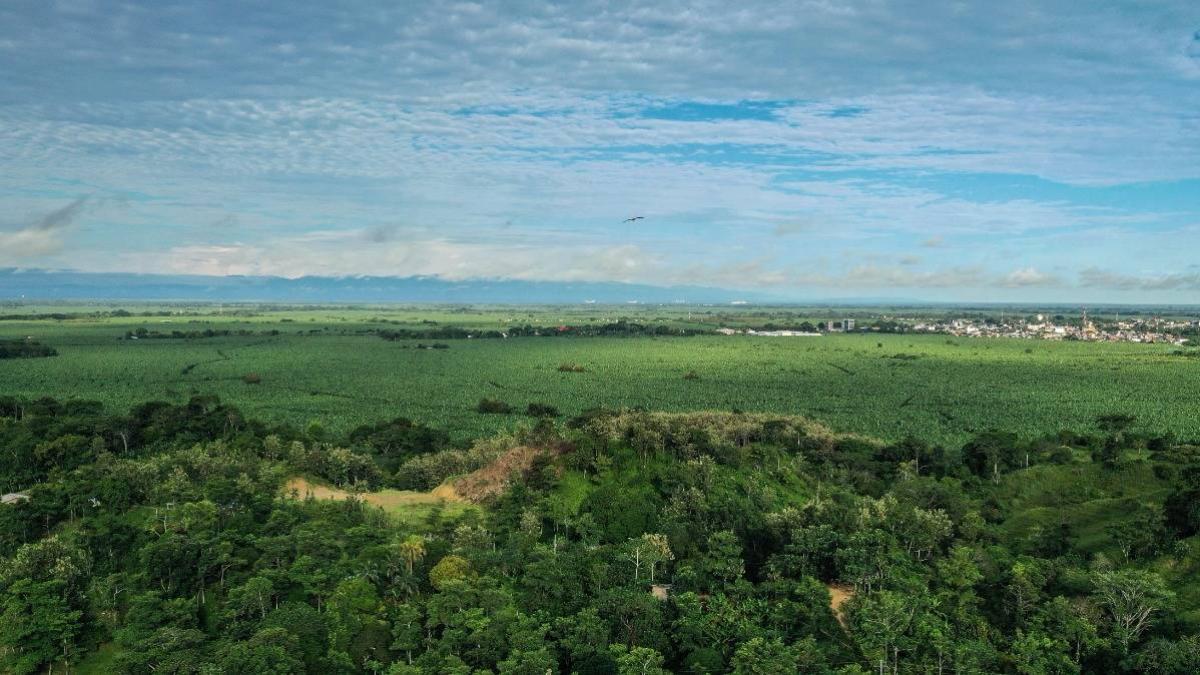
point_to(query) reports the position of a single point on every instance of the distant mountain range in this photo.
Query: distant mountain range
(34, 285)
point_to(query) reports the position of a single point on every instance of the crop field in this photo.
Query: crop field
(327, 365)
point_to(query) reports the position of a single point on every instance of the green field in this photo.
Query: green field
(325, 365)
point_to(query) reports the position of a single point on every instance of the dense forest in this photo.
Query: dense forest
(163, 540)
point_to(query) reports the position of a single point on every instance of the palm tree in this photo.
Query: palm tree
(412, 549)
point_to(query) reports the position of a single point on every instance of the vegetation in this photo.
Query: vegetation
(24, 349)
(166, 539)
(491, 406)
(962, 506)
(328, 364)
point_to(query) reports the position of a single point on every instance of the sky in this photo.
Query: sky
(974, 151)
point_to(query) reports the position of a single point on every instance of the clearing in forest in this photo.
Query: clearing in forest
(839, 595)
(408, 505)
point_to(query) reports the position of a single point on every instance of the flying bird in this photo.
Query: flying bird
(630, 220)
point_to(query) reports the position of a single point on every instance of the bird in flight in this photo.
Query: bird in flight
(630, 220)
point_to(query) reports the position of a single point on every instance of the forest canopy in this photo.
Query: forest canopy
(165, 539)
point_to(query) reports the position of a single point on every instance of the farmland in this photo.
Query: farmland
(327, 365)
(834, 478)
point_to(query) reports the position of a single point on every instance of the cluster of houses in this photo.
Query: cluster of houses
(1043, 328)
(1039, 327)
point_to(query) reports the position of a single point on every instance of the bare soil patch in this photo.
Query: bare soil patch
(838, 596)
(493, 479)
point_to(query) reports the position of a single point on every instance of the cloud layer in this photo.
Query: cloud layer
(986, 150)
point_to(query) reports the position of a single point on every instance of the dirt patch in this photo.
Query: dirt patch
(384, 498)
(446, 491)
(306, 489)
(493, 479)
(838, 596)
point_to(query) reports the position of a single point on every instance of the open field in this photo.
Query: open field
(325, 365)
(408, 507)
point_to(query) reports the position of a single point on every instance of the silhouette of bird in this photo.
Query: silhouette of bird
(630, 220)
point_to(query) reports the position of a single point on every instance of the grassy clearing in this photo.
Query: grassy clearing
(1088, 497)
(406, 506)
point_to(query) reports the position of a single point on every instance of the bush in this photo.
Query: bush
(571, 368)
(541, 410)
(490, 406)
(1062, 455)
(21, 349)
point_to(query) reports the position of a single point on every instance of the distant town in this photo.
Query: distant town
(1035, 327)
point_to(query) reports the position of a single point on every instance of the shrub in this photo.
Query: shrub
(21, 349)
(541, 410)
(1062, 455)
(490, 406)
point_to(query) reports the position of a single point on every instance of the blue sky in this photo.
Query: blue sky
(1017, 151)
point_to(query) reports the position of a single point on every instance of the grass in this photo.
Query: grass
(1088, 497)
(324, 365)
(573, 487)
(407, 507)
(100, 662)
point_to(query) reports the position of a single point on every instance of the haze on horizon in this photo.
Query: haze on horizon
(1021, 151)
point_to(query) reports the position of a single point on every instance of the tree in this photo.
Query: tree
(989, 453)
(270, 651)
(309, 627)
(635, 616)
(37, 625)
(1024, 587)
(760, 656)
(412, 549)
(638, 661)
(406, 630)
(312, 575)
(252, 599)
(1074, 621)
(42, 597)
(584, 637)
(166, 650)
(881, 623)
(648, 550)
(722, 563)
(1036, 653)
(1131, 597)
(1141, 535)
(1169, 657)
(448, 570)
(1182, 507)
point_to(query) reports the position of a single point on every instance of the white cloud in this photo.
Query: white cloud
(1029, 276)
(337, 254)
(19, 246)
(42, 236)
(1107, 279)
